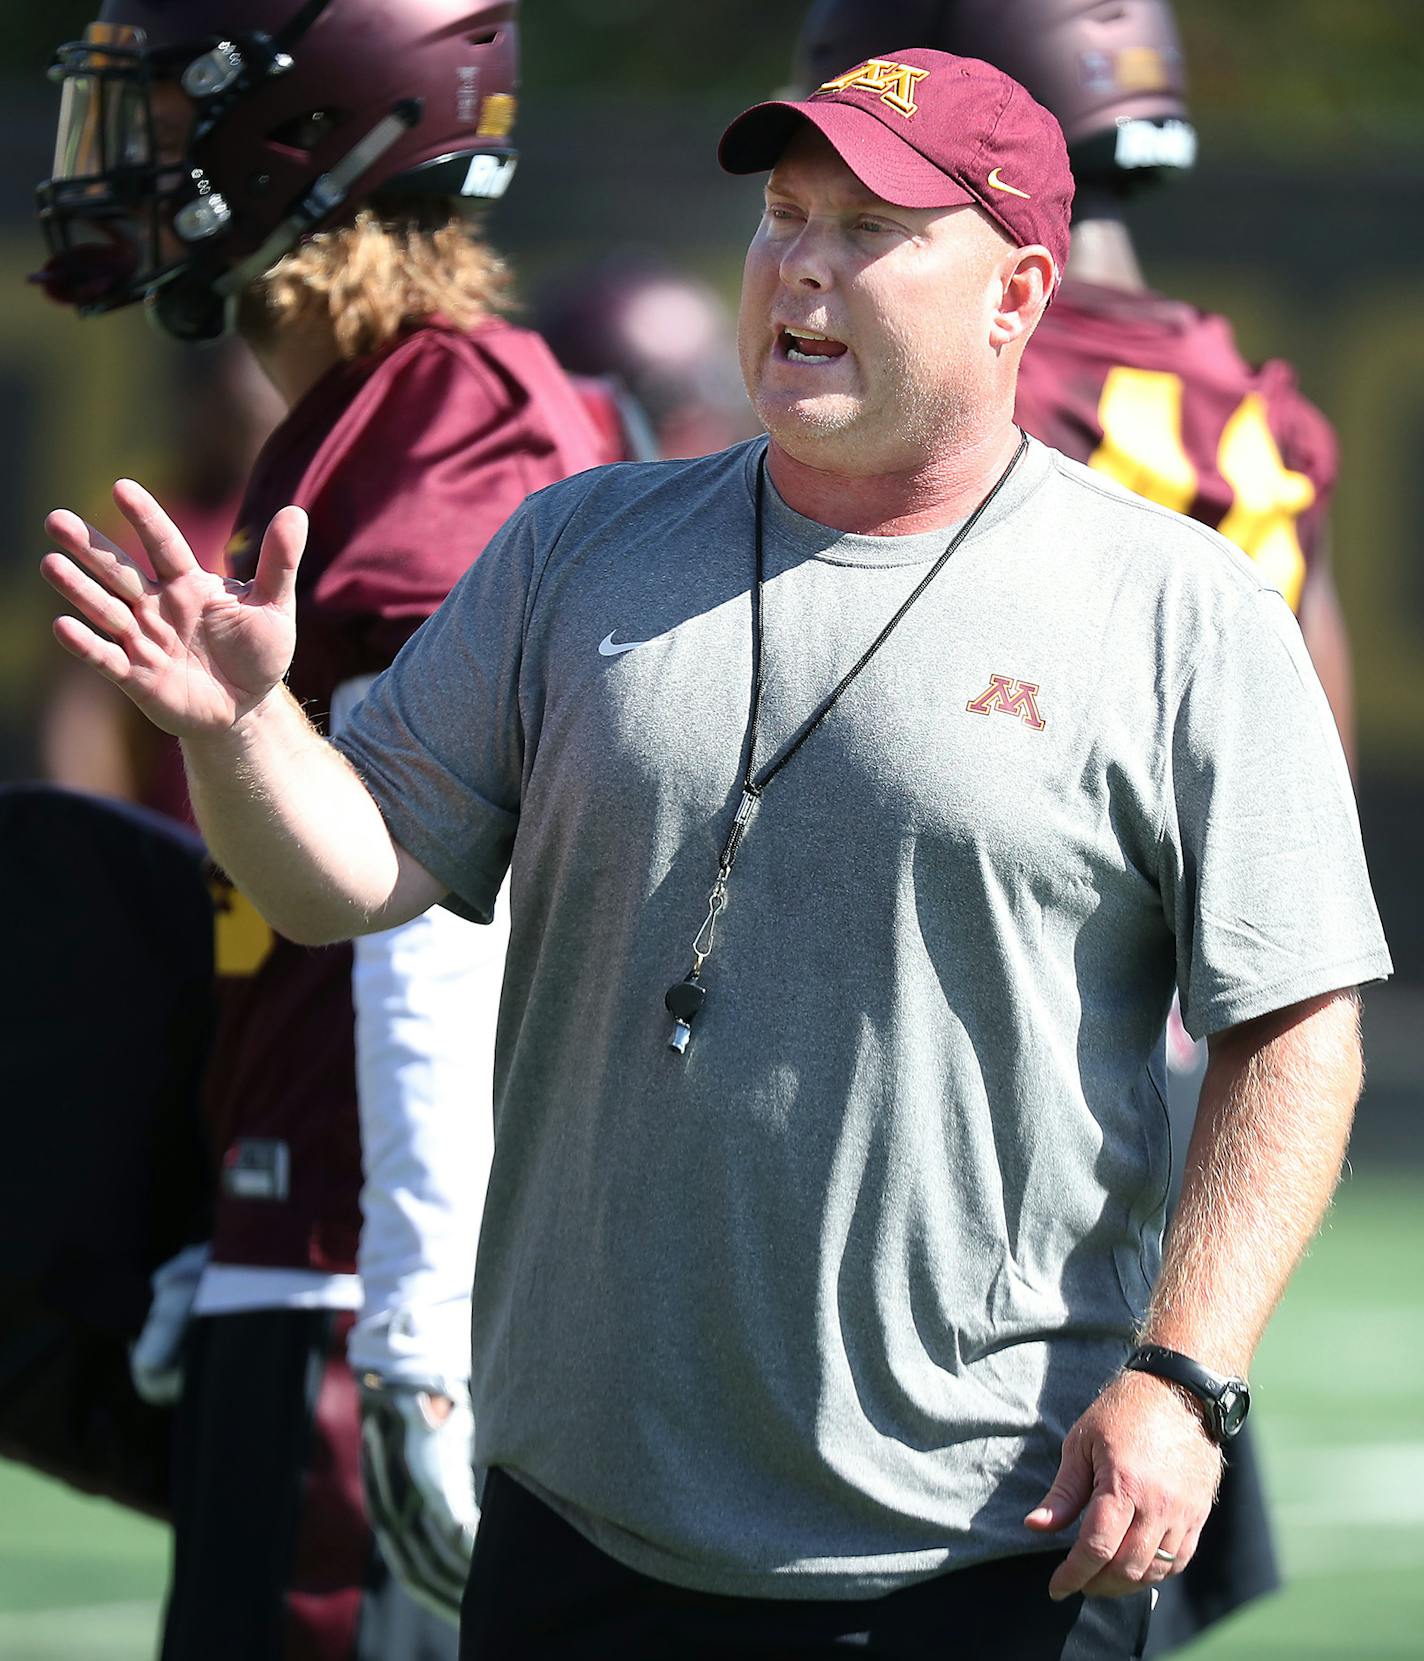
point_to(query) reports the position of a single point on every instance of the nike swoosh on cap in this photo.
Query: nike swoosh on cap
(606, 647)
(996, 183)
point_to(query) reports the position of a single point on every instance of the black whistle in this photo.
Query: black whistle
(684, 999)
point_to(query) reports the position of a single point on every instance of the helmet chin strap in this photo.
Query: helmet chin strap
(197, 306)
(326, 194)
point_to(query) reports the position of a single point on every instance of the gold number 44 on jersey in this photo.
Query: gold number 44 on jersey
(1140, 414)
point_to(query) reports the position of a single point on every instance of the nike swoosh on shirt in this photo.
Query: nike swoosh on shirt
(606, 647)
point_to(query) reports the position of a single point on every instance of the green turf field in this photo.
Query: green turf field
(1341, 1416)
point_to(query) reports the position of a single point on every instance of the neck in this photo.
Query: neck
(294, 360)
(922, 498)
(1102, 252)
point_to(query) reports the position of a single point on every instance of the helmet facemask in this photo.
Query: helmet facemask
(120, 172)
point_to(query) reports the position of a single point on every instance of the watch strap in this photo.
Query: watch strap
(1226, 1400)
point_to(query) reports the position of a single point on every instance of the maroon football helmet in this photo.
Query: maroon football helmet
(200, 140)
(1110, 70)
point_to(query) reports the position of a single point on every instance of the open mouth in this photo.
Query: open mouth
(807, 346)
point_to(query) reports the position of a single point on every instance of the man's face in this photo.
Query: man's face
(903, 298)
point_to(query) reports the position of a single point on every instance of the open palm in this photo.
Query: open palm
(195, 651)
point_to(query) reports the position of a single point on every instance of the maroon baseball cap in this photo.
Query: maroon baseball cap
(925, 129)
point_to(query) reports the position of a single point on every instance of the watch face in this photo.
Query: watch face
(1233, 1403)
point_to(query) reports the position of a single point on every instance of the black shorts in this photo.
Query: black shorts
(539, 1591)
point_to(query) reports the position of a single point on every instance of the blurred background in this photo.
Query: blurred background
(1304, 223)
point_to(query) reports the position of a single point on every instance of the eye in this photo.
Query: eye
(779, 220)
(868, 222)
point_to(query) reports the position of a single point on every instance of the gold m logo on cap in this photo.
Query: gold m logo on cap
(895, 82)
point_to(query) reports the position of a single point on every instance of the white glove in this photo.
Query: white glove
(156, 1355)
(418, 1473)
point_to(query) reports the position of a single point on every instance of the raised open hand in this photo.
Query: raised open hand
(195, 651)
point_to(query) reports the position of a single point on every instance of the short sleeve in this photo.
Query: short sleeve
(438, 738)
(1263, 874)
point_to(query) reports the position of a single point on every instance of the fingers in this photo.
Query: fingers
(103, 559)
(80, 641)
(80, 590)
(115, 657)
(1153, 1475)
(1169, 1557)
(1152, 1547)
(1072, 1485)
(1135, 1563)
(162, 540)
(1183, 1545)
(281, 553)
(1105, 1525)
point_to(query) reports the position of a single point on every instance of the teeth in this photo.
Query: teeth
(790, 336)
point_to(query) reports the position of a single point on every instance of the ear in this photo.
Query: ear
(1026, 280)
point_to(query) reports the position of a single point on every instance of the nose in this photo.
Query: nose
(806, 262)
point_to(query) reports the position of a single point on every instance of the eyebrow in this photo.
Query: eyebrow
(861, 198)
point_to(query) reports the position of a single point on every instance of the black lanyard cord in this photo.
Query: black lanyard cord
(685, 998)
(753, 785)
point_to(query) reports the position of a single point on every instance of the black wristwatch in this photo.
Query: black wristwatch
(1227, 1401)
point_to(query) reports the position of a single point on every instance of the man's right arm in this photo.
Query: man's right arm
(288, 818)
(204, 657)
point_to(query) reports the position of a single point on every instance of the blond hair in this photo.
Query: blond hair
(380, 273)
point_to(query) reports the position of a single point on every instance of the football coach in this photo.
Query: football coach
(866, 789)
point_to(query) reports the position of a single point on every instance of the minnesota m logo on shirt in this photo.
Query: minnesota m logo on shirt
(1008, 696)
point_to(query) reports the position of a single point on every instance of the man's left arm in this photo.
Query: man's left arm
(1139, 1467)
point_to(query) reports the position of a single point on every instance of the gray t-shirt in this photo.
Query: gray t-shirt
(807, 1311)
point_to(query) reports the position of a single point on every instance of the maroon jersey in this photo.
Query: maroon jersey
(407, 463)
(1155, 394)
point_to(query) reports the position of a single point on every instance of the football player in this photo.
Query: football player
(1154, 393)
(308, 174)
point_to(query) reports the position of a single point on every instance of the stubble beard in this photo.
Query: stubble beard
(847, 435)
